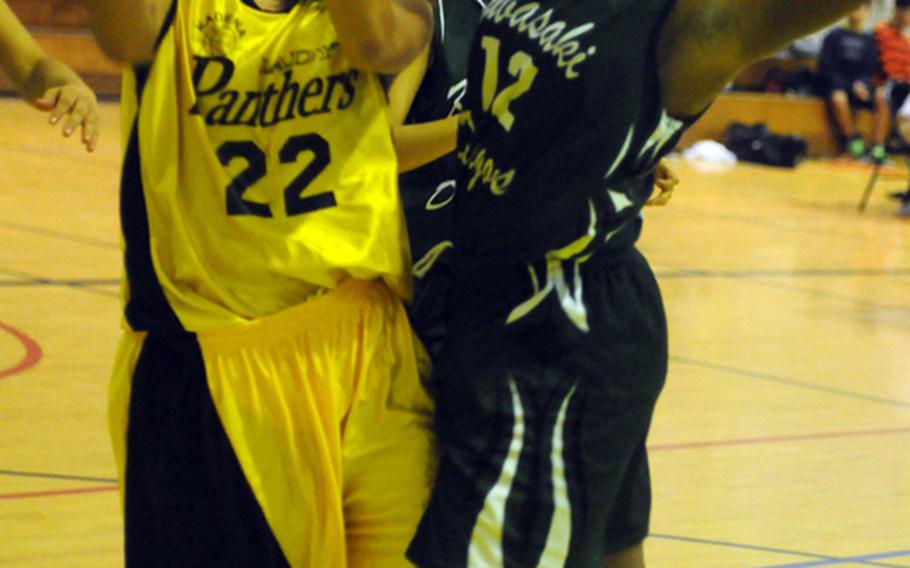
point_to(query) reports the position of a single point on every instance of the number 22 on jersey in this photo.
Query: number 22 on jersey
(295, 203)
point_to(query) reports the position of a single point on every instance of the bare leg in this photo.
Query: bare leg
(880, 118)
(629, 558)
(840, 105)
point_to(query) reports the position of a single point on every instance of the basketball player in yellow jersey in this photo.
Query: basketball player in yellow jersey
(45, 82)
(266, 408)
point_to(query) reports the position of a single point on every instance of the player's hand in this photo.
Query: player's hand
(861, 91)
(77, 103)
(664, 182)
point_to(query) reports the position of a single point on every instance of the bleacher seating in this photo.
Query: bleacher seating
(784, 114)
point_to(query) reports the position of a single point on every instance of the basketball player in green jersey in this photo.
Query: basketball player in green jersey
(45, 82)
(556, 348)
(266, 407)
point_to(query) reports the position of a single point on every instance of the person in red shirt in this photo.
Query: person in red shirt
(893, 45)
(894, 61)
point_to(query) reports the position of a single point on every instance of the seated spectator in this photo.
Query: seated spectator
(894, 59)
(847, 66)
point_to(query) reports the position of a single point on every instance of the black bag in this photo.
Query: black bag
(759, 145)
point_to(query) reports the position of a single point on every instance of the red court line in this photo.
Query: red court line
(776, 439)
(57, 493)
(32, 352)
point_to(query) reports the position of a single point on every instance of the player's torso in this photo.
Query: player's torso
(852, 49)
(267, 163)
(566, 125)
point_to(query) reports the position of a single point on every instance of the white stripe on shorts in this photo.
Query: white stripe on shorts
(486, 540)
(557, 550)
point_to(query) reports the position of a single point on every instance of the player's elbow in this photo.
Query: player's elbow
(388, 47)
(123, 44)
(384, 56)
(125, 52)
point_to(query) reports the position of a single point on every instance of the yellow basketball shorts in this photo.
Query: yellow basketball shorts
(301, 439)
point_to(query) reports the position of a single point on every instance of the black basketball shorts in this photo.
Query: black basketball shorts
(542, 440)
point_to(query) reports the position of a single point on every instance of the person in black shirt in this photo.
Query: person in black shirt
(846, 65)
(556, 348)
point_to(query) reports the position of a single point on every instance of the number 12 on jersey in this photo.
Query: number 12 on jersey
(521, 66)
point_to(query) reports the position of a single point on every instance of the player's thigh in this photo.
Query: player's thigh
(389, 460)
(188, 500)
(279, 411)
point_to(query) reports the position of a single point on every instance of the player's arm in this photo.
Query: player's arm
(382, 36)
(46, 82)
(127, 29)
(420, 144)
(417, 144)
(705, 43)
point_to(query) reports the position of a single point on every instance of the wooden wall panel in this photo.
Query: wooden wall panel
(51, 13)
(806, 116)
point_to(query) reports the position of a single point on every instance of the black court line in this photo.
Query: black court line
(58, 476)
(89, 285)
(791, 382)
(788, 224)
(780, 275)
(100, 292)
(863, 559)
(826, 559)
(59, 235)
(806, 273)
(75, 283)
(833, 296)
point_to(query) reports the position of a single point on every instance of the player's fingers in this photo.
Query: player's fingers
(76, 116)
(661, 199)
(90, 131)
(48, 100)
(666, 173)
(666, 184)
(65, 102)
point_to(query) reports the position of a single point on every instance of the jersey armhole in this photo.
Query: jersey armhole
(141, 71)
(165, 25)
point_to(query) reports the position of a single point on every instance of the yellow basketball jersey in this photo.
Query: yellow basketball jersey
(259, 167)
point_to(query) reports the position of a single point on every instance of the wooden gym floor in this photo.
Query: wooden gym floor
(782, 438)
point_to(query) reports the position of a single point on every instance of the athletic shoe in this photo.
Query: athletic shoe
(856, 147)
(878, 154)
